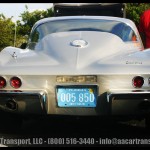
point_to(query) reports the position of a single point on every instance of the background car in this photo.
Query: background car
(91, 9)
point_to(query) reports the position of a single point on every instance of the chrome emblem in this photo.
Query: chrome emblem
(79, 43)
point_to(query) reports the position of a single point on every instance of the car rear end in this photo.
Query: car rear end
(81, 95)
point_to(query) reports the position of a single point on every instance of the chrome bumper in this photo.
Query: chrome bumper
(23, 102)
(128, 102)
(120, 103)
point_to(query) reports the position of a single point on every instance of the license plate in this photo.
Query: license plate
(77, 96)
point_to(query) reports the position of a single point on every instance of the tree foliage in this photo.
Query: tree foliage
(134, 11)
(30, 18)
(7, 32)
(23, 27)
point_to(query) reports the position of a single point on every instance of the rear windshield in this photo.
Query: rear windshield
(120, 29)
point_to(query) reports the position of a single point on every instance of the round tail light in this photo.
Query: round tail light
(138, 82)
(15, 82)
(2, 82)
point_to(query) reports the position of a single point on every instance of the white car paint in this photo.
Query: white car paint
(114, 63)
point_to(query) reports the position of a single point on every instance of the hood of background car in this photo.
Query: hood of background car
(71, 53)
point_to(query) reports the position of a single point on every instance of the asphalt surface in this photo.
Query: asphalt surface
(74, 132)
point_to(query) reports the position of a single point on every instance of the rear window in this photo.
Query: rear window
(119, 29)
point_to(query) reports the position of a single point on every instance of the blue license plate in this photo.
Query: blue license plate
(77, 96)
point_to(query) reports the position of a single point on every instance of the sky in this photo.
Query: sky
(15, 9)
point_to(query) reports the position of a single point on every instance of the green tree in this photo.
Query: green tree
(22, 28)
(7, 32)
(30, 18)
(134, 10)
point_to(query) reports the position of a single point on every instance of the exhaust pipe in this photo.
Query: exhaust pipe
(12, 104)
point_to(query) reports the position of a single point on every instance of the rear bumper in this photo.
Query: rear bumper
(23, 102)
(128, 102)
(113, 103)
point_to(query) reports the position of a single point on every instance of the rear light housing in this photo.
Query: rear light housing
(15, 82)
(2, 82)
(138, 81)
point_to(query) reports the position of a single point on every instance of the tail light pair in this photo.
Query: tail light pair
(15, 82)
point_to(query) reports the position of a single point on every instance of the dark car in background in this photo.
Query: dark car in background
(92, 9)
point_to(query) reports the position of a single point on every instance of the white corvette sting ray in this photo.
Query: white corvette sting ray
(79, 66)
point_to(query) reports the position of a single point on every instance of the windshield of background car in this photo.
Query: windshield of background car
(117, 28)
